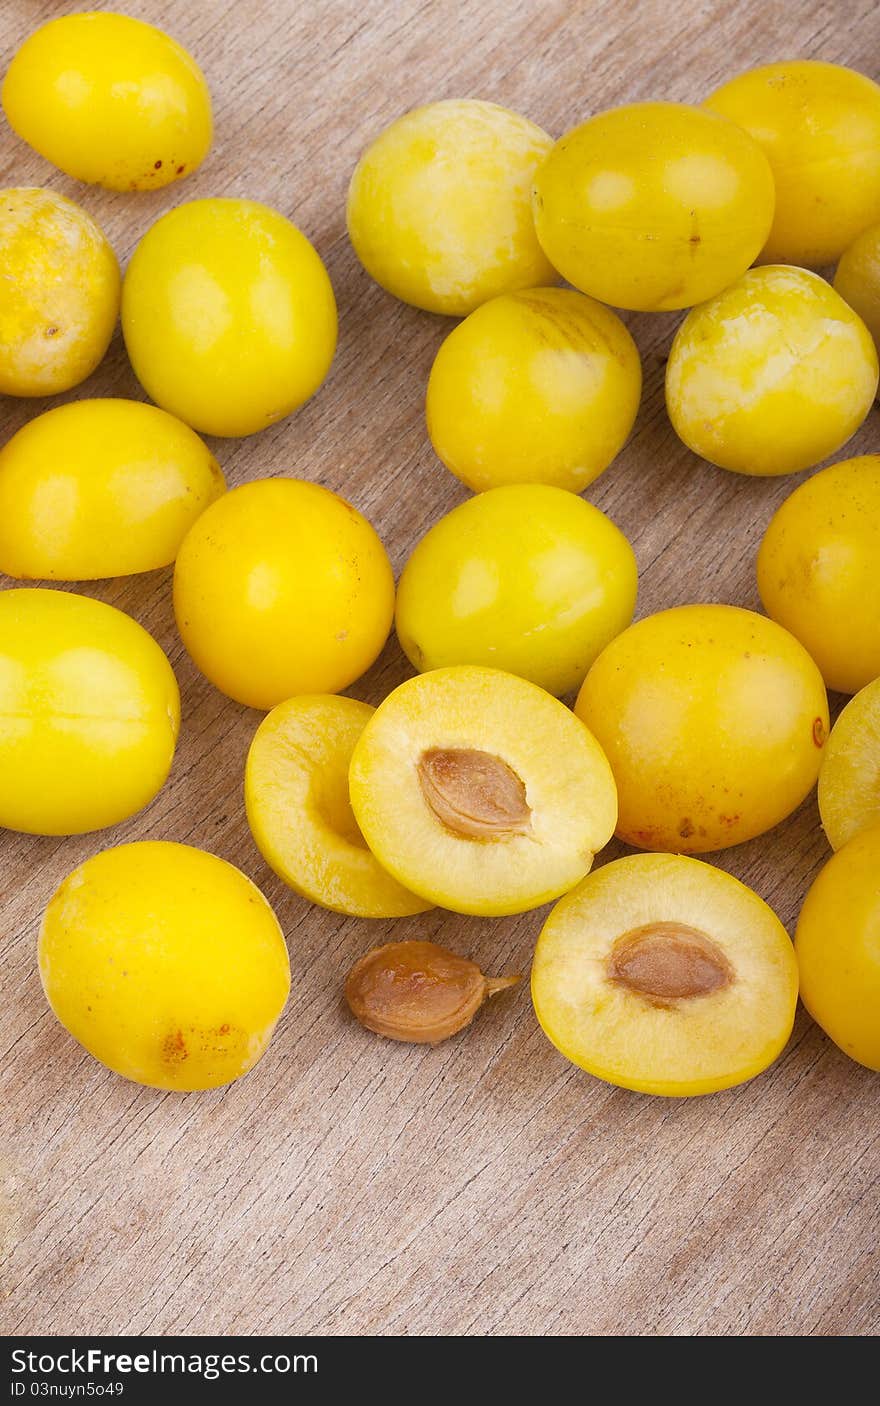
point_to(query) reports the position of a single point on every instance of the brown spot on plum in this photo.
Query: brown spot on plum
(644, 837)
(819, 733)
(174, 1049)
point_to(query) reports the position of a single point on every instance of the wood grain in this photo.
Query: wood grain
(349, 1185)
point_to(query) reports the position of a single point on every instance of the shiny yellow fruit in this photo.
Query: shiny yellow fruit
(528, 578)
(281, 587)
(100, 488)
(713, 719)
(849, 782)
(819, 124)
(838, 949)
(772, 375)
(110, 100)
(534, 387)
(857, 279)
(439, 205)
(296, 793)
(166, 963)
(654, 205)
(89, 712)
(480, 791)
(228, 315)
(664, 975)
(819, 570)
(60, 302)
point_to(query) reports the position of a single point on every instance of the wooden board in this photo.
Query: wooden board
(349, 1185)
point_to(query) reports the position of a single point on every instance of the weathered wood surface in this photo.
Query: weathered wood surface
(349, 1185)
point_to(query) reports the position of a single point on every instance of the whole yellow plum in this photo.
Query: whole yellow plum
(60, 302)
(713, 719)
(281, 587)
(819, 124)
(101, 488)
(166, 963)
(110, 100)
(438, 206)
(89, 712)
(857, 279)
(838, 952)
(654, 205)
(772, 375)
(229, 315)
(818, 570)
(526, 578)
(540, 386)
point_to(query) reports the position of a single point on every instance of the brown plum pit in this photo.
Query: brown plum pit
(668, 962)
(474, 794)
(418, 991)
